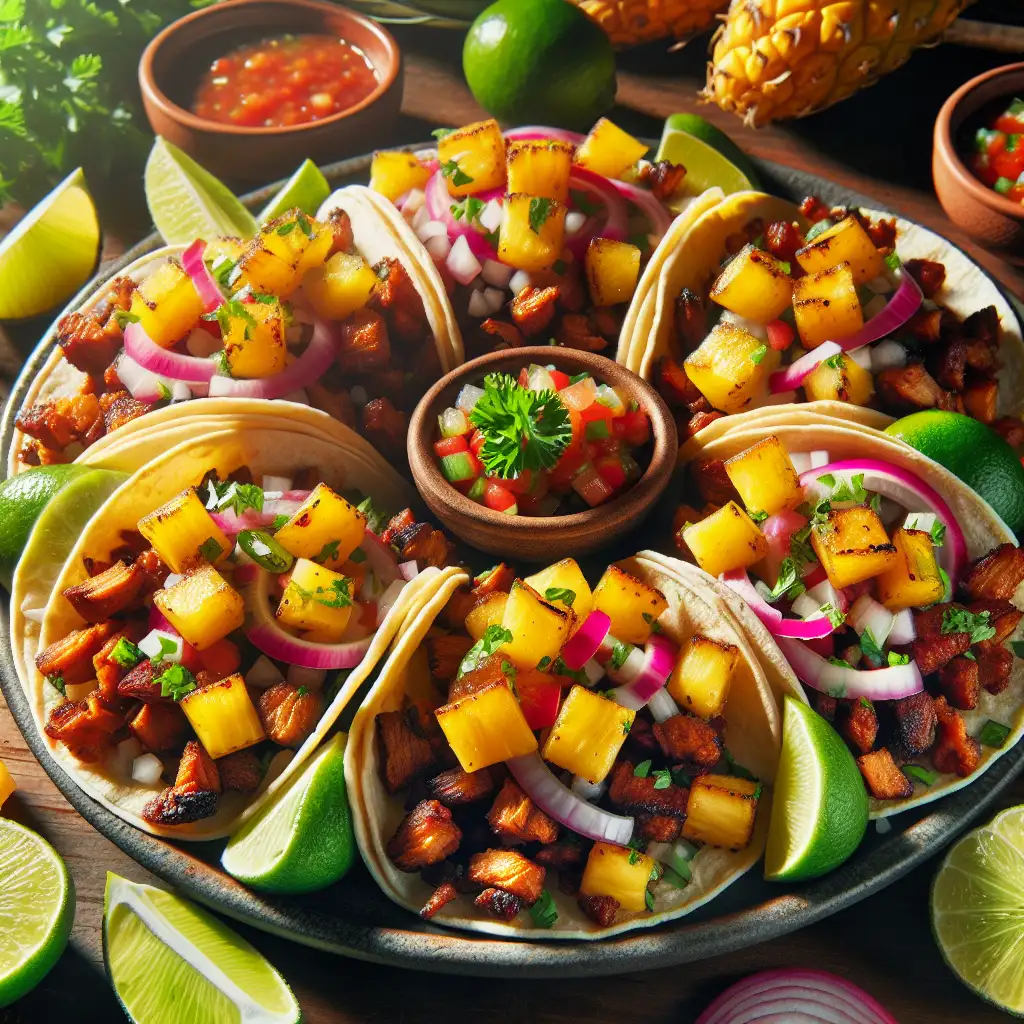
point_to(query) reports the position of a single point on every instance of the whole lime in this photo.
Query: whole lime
(540, 61)
(974, 453)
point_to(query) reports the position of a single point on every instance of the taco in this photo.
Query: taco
(616, 744)
(328, 312)
(765, 303)
(893, 591)
(214, 618)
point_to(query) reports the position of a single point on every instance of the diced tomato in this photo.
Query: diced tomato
(221, 659)
(580, 395)
(522, 484)
(450, 446)
(610, 469)
(634, 428)
(780, 335)
(539, 697)
(1009, 123)
(566, 467)
(591, 486)
(498, 497)
(560, 379)
(1009, 163)
(815, 576)
(476, 442)
(524, 378)
(190, 657)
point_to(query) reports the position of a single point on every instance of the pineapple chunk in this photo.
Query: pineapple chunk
(167, 304)
(608, 150)
(721, 811)
(755, 285)
(913, 580)
(486, 727)
(298, 240)
(393, 174)
(254, 342)
(340, 286)
(839, 379)
(853, 546)
(613, 269)
(265, 272)
(202, 607)
(325, 528)
(620, 872)
(489, 612)
(565, 576)
(765, 477)
(540, 167)
(223, 717)
(703, 675)
(478, 154)
(845, 242)
(588, 734)
(538, 629)
(533, 232)
(826, 306)
(725, 540)
(632, 605)
(184, 534)
(731, 367)
(318, 599)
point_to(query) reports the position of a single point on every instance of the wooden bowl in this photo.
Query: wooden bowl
(983, 213)
(174, 62)
(540, 538)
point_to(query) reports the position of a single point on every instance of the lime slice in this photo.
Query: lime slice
(7, 786)
(51, 252)
(978, 910)
(302, 840)
(37, 909)
(187, 202)
(699, 128)
(307, 189)
(820, 807)
(169, 961)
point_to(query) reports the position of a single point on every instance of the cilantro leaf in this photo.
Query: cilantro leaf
(125, 653)
(493, 638)
(540, 210)
(328, 551)
(643, 769)
(563, 594)
(834, 362)
(337, 595)
(895, 659)
(543, 913)
(788, 584)
(175, 682)
(960, 620)
(870, 647)
(458, 176)
(210, 549)
(620, 652)
(443, 133)
(662, 779)
(229, 494)
(758, 354)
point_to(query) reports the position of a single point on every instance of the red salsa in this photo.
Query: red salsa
(286, 81)
(998, 157)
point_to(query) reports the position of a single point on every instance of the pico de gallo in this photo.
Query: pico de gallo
(542, 443)
(997, 154)
(862, 575)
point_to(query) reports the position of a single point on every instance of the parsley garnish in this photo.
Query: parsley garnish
(563, 594)
(375, 519)
(125, 653)
(543, 913)
(634, 856)
(800, 548)
(302, 691)
(509, 670)
(833, 614)
(662, 779)
(167, 646)
(458, 176)
(895, 659)
(758, 354)
(788, 583)
(493, 638)
(540, 210)
(626, 726)
(233, 495)
(210, 549)
(57, 682)
(842, 490)
(643, 769)
(175, 681)
(279, 521)
(960, 620)
(561, 669)
(231, 310)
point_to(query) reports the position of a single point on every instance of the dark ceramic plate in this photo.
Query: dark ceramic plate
(353, 918)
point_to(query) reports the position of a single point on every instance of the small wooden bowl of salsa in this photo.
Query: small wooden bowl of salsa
(251, 89)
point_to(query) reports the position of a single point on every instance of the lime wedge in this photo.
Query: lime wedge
(51, 252)
(187, 202)
(820, 807)
(705, 162)
(978, 910)
(307, 189)
(169, 961)
(37, 909)
(302, 840)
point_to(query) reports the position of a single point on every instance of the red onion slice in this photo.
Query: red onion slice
(142, 384)
(408, 570)
(648, 204)
(380, 559)
(890, 683)
(659, 660)
(194, 265)
(792, 376)
(777, 624)
(586, 641)
(439, 206)
(662, 706)
(612, 223)
(539, 131)
(149, 355)
(903, 629)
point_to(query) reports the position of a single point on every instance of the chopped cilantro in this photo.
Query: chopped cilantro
(375, 519)
(662, 779)
(543, 663)
(458, 176)
(895, 659)
(626, 726)
(620, 652)
(916, 773)
(337, 595)
(279, 521)
(509, 671)
(841, 662)
(758, 354)
(834, 363)
(559, 668)
(543, 913)
(443, 133)
(210, 549)
(562, 594)
(540, 210)
(229, 494)
(125, 653)
(634, 856)
(577, 377)
(57, 682)
(871, 647)
(893, 262)
(833, 614)
(649, 899)
(788, 583)
(737, 769)
(969, 655)
(123, 318)
(231, 310)
(302, 691)
(328, 551)
(758, 515)
(993, 734)
(493, 638)
(175, 681)
(642, 770)
(960, 620)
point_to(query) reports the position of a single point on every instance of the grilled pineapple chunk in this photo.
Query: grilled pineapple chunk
(254, 342)
(317, 599)
(725, 540)
(184, 534)
(202, 607)
(755, 285)
(297, 239)
(533, 232)
(608, 150)
(839, 379)
(564, 584)
(325, 528)
(613, 269)
(394, 174)
(721, 811)
(845, 242)
(852, 546)
(167, 304)
(765, 477)
(538, 628)
(340, 286)
(731, 367)
(265, 272)
(631, 604)
(826, 306)
(703, 675)
(223, 717)
(588, 734)
(486, 727)
(478, 153)
(913, 579)
(620, 872)
(540, 167)
(489, 612)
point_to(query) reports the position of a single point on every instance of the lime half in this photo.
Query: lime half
(51, 252)
(37, 909)
(169, 962)
(978, 910)
(302, 840)
(187, 202)
(820, 807)
(709, 156)
(307, 189)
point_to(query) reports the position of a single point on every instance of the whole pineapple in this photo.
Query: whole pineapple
(630, 22)
(775, 59)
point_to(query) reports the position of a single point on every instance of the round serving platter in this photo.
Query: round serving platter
(354, 918)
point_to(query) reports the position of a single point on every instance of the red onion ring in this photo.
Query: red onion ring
(773, 619)
(439, 206)
(791, 377)
(659, 660)
(650, 205)
(143, 384)
(615, 222)
(149, 355)
(194, 265)
(586, 641)
(538, 131)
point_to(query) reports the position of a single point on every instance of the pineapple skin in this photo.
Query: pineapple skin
(778, 59)
(631, 22)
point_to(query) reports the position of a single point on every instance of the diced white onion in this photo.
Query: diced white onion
(431, 229)
(820, 458)
(151, 646)
(924, 521)
(825, 593)
(202, 343)
(263, 674)
(180, 391)
(887, 355)
(903, 629)
(801, 462)
(538, 378)
(594, 671)
(758, 330)
(492, 215)
(468, 397)
(496, 274)
(806, 607)
(478, 306)
(862, 357)
(420, 218)
(662, 707)
(574, 221)
(881, 285)
(519, 280)
(867, 615)
(438, 246)
(311, 678)
(592, 791)
(358, 395)
(147, 769)
(461, 261)
(172, 579)
(414, 200)
(495, 299)
(276, 483)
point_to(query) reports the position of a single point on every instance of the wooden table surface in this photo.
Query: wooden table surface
(877, 143)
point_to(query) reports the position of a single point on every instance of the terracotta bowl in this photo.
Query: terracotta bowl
(540, 538)
(174, 62)
(982, 212)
